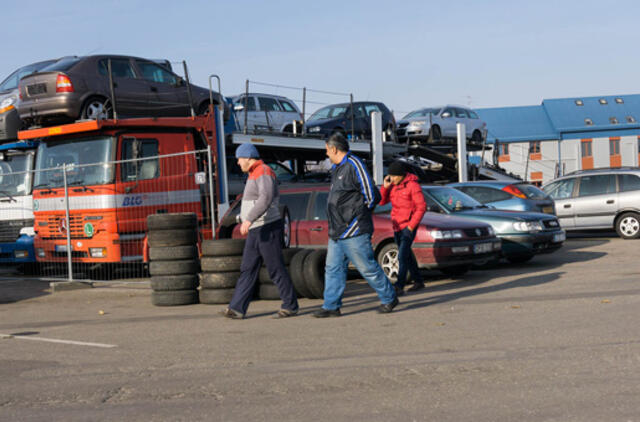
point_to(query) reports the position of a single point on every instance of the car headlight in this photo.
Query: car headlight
(446, 234)
(527, 226)
(492, 232)
(6, 103)
(313, 129)
(418, 123)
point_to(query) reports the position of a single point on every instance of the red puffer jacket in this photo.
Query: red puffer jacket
(407, 202)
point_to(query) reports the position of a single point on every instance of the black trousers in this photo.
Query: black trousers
(263, 245)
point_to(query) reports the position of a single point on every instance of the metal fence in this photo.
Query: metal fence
(89, 218)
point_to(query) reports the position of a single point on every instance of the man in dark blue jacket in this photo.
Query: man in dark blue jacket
(352, 198)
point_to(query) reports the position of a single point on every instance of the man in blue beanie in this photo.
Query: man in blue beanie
(261, 222)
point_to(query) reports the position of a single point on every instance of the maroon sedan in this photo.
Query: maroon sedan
(446, 243)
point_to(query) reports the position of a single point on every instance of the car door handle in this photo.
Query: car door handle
(316, 229)
(610, 201)
(567, 205)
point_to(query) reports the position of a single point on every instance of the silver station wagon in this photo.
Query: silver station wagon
(599, 199)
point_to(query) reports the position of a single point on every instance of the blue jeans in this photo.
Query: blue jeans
(358, 250)
(406, 260)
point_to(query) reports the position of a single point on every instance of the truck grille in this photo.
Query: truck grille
(10, 229)
(53, 228)
(36, 89)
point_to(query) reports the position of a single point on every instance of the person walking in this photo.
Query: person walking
(261, 222)
(351, 199)
(408, 206)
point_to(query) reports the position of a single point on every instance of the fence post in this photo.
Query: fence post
(212, 200)
(68, 222)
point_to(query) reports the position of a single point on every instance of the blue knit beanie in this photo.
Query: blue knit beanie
(247, 151)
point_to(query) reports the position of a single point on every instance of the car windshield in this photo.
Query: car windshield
(422, 113)
(330, 112)
(12, 80)
(452, 199)
(531, 192)
(15, 180)
(86, 159)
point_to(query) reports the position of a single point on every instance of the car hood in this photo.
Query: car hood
(434, 220)
(485, 214)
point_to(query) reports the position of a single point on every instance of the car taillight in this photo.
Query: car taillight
(514, 191)
(63, 84)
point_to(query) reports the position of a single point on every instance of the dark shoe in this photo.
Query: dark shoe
(325, 313)
(399, 290)
(416, 287)
(284, 313)
(230, 313)
(385, 309)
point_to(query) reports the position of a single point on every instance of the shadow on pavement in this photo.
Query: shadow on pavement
(17, 289)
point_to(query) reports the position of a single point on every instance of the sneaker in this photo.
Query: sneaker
(416, 287)
(326, 313)
(230, 313)
(399, 290)
(284, 313)
(385, 309)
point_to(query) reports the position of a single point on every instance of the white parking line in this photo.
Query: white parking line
(53, 340)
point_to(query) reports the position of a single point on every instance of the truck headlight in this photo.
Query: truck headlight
(40, 252)
(98, 252)
(21, 254)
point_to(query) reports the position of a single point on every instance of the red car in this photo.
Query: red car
(446, 243)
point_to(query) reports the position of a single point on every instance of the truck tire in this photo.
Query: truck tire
(173, 253)
(219, 280)
(185, 266)
(269, 292)
(216, 296)
(297, 274)
(174, 282)
(170, 238)
(174, 298)
(220, 264)
(183, 220)
(313, 271)
(223, 247)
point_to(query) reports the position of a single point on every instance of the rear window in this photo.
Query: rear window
(531, 192)
(62, 65)
(628, 182)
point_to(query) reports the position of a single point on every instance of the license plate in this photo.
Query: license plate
(560, 237)
(62, 248)
(483, 248)
(36, 89)
(547, 210)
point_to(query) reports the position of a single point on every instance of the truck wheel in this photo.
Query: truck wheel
(164, 238)
(216, 296)
(174, 298)
(297, 275)
(223, 247)
(220, 264)
(173, 253)
(186, 266)
(313, 271)
(174, 282)
(219, 280)
(183, 220)
(628, 225)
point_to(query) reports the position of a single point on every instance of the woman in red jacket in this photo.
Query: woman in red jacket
(407, 209)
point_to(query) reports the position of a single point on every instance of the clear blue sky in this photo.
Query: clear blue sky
(407, 54)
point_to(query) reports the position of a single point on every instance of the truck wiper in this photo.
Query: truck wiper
(80, 182)
(8, 195)
(44, 185)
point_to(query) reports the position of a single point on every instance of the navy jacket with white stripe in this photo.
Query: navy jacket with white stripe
(352, 198)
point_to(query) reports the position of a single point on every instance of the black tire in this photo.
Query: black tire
(174, 298)
(96, 108)
(297, 274)
(216, 296)
(388, 260)
(269, 292)
(476, 138)
(165, 238)
(313, 271)
(185, 266)
(435, 134)
(628, 225)
(220, 264)
(455, 272)
(173, 253)
(174, 282)
(519, 259)
(219, 280)
(223, 247)
(183, 220)
(391, 134)
(286, 226)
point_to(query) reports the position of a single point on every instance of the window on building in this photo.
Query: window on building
(613, 120)
(588, 122)
(619, 101)
(603, 101)
(614, 146)
(579, 103)
(586, 149)
(503, 153)
(534, 150)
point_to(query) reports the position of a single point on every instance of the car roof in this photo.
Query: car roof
(280, 97)
(489, 183)
(603, 170)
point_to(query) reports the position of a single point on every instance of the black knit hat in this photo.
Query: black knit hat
(396, 169)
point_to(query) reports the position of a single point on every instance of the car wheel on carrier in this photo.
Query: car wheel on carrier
(388, 260)
(628, 225)
(390, 134)
(96, 108)
(435, 134)
(476, 138)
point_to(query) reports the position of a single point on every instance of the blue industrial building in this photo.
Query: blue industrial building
(566, 134)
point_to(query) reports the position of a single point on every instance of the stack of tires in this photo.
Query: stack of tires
(306, 268)
(220, 265)
(173, 258)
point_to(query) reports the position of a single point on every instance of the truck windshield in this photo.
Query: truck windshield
(14, 177)
(88, 162)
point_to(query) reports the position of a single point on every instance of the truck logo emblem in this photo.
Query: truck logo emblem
(88, 229)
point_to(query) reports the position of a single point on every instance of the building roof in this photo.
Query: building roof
(564, 118)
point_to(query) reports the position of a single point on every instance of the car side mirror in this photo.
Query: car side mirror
(446, 115)
(238, 107)
(179, 82)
